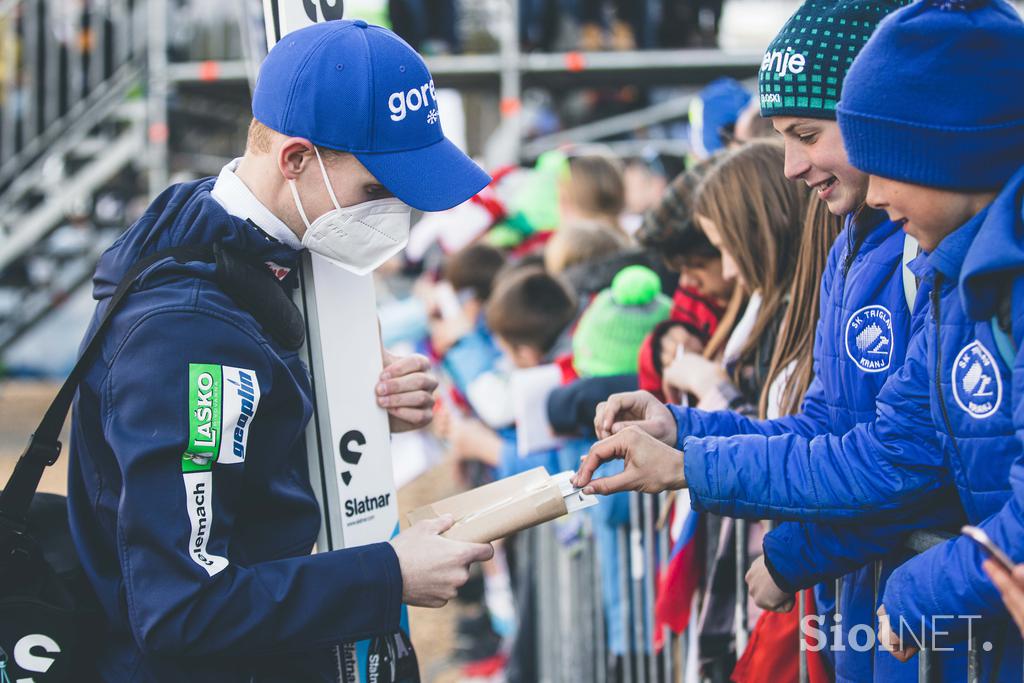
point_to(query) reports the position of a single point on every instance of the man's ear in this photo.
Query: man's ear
(293, 155)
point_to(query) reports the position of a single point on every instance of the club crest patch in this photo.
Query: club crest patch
(977, 386)
(869, 338)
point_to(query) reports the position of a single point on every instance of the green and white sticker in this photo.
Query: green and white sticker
(222, 403)
(205, 389)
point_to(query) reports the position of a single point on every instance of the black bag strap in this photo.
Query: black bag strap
(44, 445)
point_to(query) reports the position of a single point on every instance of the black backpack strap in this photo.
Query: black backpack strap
(44, 444)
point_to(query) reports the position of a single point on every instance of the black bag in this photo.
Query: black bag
(49, 617)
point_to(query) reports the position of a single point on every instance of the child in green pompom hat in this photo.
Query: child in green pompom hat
(608, 336)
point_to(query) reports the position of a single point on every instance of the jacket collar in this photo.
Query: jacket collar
(996, 254)
(186, 214)
(239, 201)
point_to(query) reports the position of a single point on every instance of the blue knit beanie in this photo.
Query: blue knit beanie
(936, 97)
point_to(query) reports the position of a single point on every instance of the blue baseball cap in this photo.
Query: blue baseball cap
(717, 107)
(358, 88)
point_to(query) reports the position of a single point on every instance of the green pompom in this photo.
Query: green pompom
(504, 236)
(635, 286)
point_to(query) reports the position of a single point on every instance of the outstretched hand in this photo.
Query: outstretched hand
(650, 465)
(640, 409)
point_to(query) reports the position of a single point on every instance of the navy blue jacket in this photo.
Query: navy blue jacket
(944, 418)
(189, 496)
(864, 327)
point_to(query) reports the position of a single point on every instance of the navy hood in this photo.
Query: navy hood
(186, 214)
(997, 252)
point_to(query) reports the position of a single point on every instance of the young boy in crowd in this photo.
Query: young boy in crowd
(528, 315)
(579, 243)
(459, 336)
(948, 418)
(962, 196)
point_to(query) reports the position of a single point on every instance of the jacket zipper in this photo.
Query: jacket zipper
(937, 314)
(857, 235)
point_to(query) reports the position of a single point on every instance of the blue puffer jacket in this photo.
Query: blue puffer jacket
(862, 288)
(944, 418)
(948, 579)
(864, 327)
(189, 495)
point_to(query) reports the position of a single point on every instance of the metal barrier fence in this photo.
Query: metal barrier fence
(573, 637)
(571, 615)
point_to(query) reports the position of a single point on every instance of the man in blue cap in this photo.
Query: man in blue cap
(189, 495)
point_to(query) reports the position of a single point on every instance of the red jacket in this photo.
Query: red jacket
(698, 314)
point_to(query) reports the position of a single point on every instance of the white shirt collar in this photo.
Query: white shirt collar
(238, 200)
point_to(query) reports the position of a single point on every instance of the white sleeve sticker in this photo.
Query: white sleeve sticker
(199, 499)
(240, 399)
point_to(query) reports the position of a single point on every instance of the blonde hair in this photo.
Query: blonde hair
(260, 140)
(596, 188)
(760, 216)
(581, 241)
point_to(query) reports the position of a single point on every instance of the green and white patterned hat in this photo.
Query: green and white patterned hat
(803, 68)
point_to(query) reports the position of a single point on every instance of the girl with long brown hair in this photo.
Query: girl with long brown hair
(759, 221)
(774, 241)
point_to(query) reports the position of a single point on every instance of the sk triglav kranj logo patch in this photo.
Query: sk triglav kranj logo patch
(977, 386)
(869, 338)
(222, 402)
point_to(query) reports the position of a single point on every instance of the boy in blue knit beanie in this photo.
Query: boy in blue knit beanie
(945, 156)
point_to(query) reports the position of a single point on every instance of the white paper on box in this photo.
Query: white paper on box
(530, 388)
(574, 497)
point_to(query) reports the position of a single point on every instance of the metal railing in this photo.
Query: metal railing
(576, 640)
(574, 621)
(68, 127)
(57, 61)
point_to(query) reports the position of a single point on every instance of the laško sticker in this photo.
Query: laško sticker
(219, 398)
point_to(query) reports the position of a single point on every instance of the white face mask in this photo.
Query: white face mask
(358, 238)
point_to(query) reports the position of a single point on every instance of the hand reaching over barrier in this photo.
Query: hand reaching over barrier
(764, 591)
(434, 567)
(640, 409)
(651, 466)
(890, 640)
